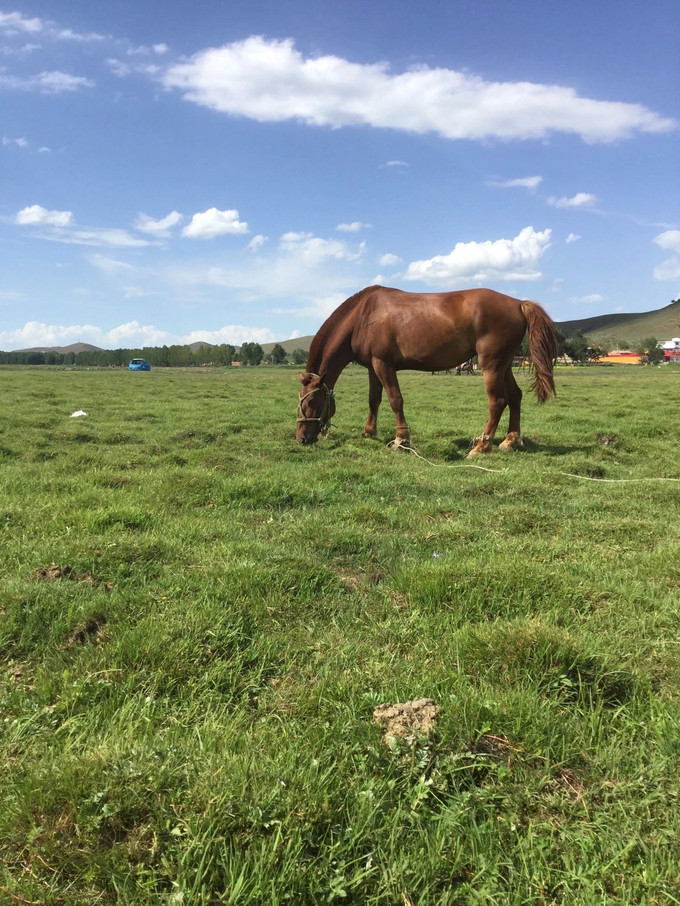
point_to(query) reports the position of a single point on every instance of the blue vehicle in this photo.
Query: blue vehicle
(139, 365)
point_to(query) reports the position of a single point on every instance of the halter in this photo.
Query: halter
(323, 419)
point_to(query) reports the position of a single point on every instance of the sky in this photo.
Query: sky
(231, 171)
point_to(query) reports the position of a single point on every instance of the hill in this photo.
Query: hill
(663, 323)
(64, 350)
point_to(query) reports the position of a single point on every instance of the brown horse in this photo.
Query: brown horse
(388, 330)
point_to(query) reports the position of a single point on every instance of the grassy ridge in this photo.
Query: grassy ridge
(198, 616)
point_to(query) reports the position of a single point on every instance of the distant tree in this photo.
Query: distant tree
(251, 354)
(595, 353)
(298, 356)
(576, 348)
(649, 351)
(278, 354)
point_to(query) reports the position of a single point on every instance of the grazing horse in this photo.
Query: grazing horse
(388, 330)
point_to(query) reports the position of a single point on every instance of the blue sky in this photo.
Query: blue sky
(232, 171)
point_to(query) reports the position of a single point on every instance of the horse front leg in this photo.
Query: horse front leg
(375, 390)
(388, 378)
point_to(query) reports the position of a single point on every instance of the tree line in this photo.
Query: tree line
(160, 356)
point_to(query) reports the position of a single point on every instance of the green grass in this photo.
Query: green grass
(198, 617)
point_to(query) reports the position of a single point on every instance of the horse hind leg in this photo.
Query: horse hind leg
(513, 395)
(494, 381)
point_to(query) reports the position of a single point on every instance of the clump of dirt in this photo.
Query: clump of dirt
(54, 572)
(607, 440)
(93, 630)
(407, 718)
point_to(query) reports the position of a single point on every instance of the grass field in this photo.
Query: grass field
(198, 617)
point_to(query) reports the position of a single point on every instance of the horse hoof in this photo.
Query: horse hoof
(512, 442)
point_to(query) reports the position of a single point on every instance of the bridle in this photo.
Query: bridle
(324, 419)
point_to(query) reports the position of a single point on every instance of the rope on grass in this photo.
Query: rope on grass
(397, 444)
(409, 448)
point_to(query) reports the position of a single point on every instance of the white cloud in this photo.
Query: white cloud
(395, 163)
(160, 228)
(212, 223)
(670, 268)
(572, 237)
(59, 226)
(353, 227)
(133, 334)
(46, 82)
(109, 266)
(271, 81)
(13, 23)
(501, 259)
(232, 333)
(35, 333)
(580, 200)
(524, 182)
(36, 215)
(19, 142)
(313, 250)
(388, 260)
(669, 240)
(257, 242)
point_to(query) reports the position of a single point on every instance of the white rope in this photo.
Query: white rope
(398, 444)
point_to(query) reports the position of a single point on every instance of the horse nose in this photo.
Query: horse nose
(307, 440)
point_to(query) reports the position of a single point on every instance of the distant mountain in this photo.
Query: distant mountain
(74, 347)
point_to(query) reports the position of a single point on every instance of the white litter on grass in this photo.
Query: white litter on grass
(78, 413)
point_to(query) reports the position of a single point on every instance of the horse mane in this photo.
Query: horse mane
(331, 323)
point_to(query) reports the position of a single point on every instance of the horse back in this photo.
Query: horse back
(435, 331)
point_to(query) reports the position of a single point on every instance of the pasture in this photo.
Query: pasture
(198, 617)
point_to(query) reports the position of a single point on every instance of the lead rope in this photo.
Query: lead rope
(399, 444)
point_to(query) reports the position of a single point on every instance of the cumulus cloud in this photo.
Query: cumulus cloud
(572, 237)
(500, 259)
(36, 215)
(388, 260)
(212, 223)
(160, 228)
(670, 268)
(14, 23)
(271, 81)
(231, 333)
(524, 182)
(580, 200)
(36, 333)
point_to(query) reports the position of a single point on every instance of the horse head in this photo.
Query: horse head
(316, 407)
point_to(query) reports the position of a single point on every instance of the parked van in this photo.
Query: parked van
(139, 365)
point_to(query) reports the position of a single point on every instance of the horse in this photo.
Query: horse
(389, 330)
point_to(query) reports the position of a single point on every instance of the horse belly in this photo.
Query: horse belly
(439, 350)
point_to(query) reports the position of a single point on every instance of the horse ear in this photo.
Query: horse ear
(304, 378)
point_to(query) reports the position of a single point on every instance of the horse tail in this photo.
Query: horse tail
(543, 349)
